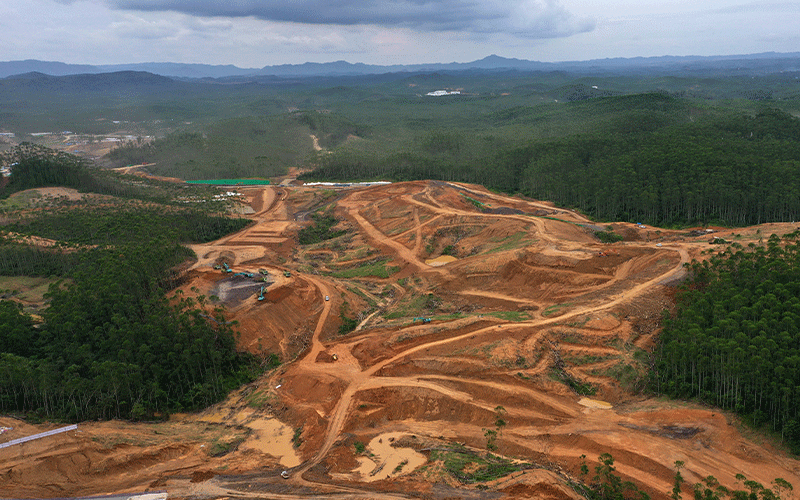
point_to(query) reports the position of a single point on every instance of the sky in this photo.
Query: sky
(258, 33)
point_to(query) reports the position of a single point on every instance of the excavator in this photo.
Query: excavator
(261, 294)
(424, 320)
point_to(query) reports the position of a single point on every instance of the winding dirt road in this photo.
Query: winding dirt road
(531, 292)
(624, 287)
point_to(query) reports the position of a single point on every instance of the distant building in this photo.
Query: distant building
(437, 93)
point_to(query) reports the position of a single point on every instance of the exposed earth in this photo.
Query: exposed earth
(477, 317)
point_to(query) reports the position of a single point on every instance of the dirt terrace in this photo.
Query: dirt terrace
(517, 295)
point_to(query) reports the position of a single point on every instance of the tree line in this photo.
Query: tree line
(647, 164)
(36, 166)
(114, 343)
(734, 341)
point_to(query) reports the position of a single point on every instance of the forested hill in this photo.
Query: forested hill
(113, 343)
(652, 158)
(735, 340)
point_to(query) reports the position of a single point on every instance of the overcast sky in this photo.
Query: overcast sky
(256, 33)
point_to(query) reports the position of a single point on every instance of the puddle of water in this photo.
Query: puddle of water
(440, 261)
(274, 438)
(595, 403)
(387, 458)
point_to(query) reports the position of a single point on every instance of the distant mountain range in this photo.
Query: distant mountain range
(752, 64)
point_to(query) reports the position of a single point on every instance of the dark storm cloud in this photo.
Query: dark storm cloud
(530, 18)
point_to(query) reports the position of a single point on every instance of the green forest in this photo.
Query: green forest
(668, 150)
(113, 343)
(734, 341)
(653, 161)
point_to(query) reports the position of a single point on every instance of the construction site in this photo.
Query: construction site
(450, 342)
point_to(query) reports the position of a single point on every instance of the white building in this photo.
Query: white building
(437, 93)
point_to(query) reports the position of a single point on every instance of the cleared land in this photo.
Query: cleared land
(533, 310)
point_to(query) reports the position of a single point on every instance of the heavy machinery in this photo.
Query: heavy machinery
(424, 320)
(226, 268)
(287, 273)
(244, 274)
(261, 294)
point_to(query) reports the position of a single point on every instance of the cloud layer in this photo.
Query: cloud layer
(527, 18)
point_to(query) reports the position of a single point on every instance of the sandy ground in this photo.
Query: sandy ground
(528, 288)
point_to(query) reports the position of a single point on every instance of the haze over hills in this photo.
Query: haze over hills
(764, 63)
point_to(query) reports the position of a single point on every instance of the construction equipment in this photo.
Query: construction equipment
(287, 274)
(261, 294)
(227, 269)
(264, 272)
(217, 267)
(244, 274)
(424, 320)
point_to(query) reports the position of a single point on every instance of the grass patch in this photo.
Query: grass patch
(320, 230)
(347, 324)
(509, 243)
(359, 446)
(470, 467)
(415, 306)
(608, 236)
(30, 289)
(586, 360)
(296, 439)
(218, 448)
(579, 386)
(573, 337)
(628, 376)
(449, 317)
(515, 316)
(358, 253)
(257, 399)
(554, 309)
(376, 268)
(363, 295)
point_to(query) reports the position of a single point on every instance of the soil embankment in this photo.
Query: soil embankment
(472, 308)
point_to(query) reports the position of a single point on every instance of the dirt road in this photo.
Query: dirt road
(531, 297)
